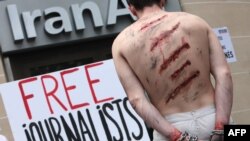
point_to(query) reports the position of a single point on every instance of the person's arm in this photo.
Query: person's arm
(138, 100)
(223, 82)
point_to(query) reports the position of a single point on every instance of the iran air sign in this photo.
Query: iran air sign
(29, 23)
(61, 21)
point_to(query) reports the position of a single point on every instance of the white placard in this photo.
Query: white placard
(82, 103)
(226, 43)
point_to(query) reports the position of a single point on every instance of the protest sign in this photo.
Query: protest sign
(226, 43)
(77, 104)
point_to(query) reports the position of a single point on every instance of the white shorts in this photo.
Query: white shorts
(200, 122)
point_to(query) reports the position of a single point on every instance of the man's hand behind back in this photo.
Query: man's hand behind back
(217, 138)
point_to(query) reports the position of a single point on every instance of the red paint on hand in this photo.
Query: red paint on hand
(219, 126)
(175, 136)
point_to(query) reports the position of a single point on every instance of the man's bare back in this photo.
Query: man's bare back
(169, 53)
(171, 56)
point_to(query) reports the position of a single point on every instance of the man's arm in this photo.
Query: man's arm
(223, 82)
(138, 100)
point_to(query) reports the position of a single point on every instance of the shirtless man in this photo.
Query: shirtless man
(170, 56)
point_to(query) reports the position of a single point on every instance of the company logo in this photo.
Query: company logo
(237, 132)
(51, 25)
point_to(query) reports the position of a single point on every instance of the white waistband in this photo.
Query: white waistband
(191, 115)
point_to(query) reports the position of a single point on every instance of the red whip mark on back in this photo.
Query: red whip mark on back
(174, 93)
(163, 37)
(174, 56)
(152, 23)
(178, 71)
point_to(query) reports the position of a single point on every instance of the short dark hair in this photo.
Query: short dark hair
(140, 4)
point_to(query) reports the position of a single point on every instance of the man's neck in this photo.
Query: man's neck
(149, 11)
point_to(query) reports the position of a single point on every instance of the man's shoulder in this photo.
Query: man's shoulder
(191, 19)
(120, 38)
(179, 14)
(122, 35)
(185, 15)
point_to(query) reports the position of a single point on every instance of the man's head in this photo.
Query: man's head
(139, 5)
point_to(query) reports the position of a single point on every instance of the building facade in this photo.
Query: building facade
(38, 37)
